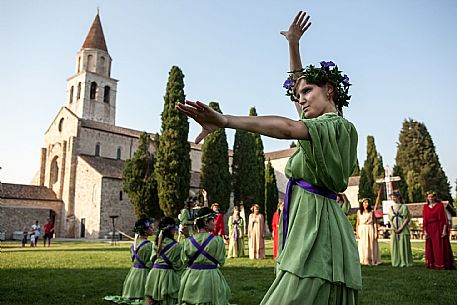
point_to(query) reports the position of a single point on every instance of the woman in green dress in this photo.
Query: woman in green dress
(318, 261)
(202, 282)
(236, 234)
(141, 253)
(162, 283)
(399, 218)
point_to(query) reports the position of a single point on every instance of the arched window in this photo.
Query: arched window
(79, 64)
(71, 94)
(118, 155)
(54, 177)
(90, 63)
(61, 124)
(102, 65)
(106, 95)
(93, 90)
(120, 195)
(97, 150)
(78, 95)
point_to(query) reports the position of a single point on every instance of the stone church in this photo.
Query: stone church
(79, 183)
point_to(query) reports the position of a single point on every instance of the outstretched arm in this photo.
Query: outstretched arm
(296, 30)
(272, 126)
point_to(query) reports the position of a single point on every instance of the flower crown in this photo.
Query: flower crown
(327, 73)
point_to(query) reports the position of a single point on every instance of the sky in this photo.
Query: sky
(399, 55)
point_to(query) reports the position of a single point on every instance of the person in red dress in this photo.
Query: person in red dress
(275, 227)
(218, 221)
(438, 251)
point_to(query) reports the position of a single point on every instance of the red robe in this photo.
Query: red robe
(219, 225)
(274, 229)
(438, 252)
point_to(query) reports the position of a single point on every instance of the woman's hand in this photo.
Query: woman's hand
(209, 119)
(297, 28)
(426, 236)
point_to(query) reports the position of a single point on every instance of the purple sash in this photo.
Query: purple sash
(140, 263)
(396, 218)
(235, 223)
(164, 257)
(202, 267)
(161, 266)
(201, 250)
(307, 187)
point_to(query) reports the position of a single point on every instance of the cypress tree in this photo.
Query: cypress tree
(374, 170)
(173, 155)
(244, 166)
(260, 157)
(417, 157)
(271, 192)
(365, 185)
(401, 185)
(215, 174)
(139, 182)
(356, 171)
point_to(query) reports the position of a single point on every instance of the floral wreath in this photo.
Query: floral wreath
(328, 72)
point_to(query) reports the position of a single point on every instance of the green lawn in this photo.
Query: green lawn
(83, 273)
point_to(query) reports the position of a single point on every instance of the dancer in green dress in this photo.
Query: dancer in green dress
(162, 284)
(400, 217)
(318, 261)
(142, 253)
(202, 282)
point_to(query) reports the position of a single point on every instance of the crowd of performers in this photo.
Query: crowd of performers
(317, 261)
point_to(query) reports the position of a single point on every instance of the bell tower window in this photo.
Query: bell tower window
(106, 94)
(78, 94)
(93, 90)
(71, 94)
(97, 150)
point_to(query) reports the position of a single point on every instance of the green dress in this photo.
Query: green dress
(236, 235)
(204, 287)
(400, 245)
(162, 285)
(319, 263)
(133, 289)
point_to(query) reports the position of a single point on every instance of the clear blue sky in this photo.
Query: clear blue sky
(400, 56)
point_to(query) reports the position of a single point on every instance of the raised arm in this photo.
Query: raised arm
(272, 126)
(296, 30)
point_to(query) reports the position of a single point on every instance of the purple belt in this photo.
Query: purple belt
(202, 267)
(160, 266)
(307, 187)
(140, 266)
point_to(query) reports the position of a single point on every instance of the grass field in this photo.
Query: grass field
(83, 273)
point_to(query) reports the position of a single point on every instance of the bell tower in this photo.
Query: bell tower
(91, 92)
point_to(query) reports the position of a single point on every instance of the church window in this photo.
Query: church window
(102, 65)
(120, 195)
(106, 95)
(71, 94)
(90, 63)
(61, 124)
(78, 94)
(54, 171)
(79, 64)
(118, 156)
(97, 150)
(93, 90)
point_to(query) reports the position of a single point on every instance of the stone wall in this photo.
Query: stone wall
(111, 204)
(14, 219)
(87, 201)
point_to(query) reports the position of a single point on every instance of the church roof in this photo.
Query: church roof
(111, 128)
(280, 154)
(28, 192)
(108, 168)
(95, 38)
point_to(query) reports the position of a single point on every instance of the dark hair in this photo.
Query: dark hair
(201, 220)
(369, 209)
(166, 224)
(142, 225)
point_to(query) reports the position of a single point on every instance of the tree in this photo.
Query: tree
(139, 182)
(260, 157)
(365, 186)
(417, 157)
(374, 170)
(244, 166)
(173, 155)
(401, 185)
(215, 174)
(271, 192)
(356, 171)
